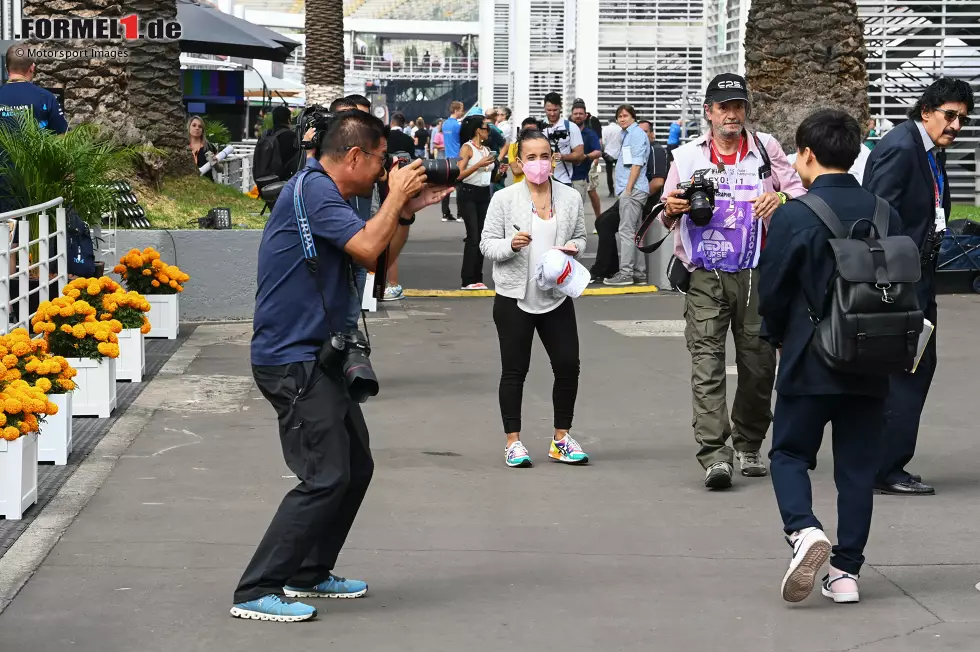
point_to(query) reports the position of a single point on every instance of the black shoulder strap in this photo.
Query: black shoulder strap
(824, 212)
(882, 212)
(765, 170)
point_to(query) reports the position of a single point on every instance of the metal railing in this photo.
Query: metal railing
(236, 170)
(412, 68)
(18, 299)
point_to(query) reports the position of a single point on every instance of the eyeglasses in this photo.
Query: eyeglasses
(363, 151)
(950, 116)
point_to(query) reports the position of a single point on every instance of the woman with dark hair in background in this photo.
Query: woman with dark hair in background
(199, 145)
(525, 222)
(421, 139)
(473, 195)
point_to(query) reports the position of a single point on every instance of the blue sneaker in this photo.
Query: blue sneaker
(271, 607)
(334, 587)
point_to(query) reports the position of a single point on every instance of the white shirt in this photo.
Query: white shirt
(544, 234)
(857, 169)
(481, 177)
(612, 140)
(563, 171)
(926, 138)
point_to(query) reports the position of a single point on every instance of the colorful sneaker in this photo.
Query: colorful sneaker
(334, 587)
(394, 293)
(811, 548)
(516, 455)
(475, 286)
(567, 450)
(271, 607)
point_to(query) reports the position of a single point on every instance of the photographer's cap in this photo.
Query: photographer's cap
(559, 271)
(726, 87)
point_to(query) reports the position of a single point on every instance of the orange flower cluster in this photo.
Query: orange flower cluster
(144, 272)
(72, 330)
(111, 301)
(26, 370)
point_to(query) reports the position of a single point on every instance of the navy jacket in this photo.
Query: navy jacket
(898, 171)
(795, 272)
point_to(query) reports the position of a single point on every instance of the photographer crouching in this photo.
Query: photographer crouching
(298, 354)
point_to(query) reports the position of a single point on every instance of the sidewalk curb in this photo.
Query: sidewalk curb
(589, 292)
(28, 552)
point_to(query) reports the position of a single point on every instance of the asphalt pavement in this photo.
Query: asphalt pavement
(462, 553)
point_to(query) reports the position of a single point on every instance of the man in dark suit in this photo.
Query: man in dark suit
(907, 169)
(795, 270)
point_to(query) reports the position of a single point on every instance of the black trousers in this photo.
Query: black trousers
(325, 443)
(906, 398)
(797, 431)
(607, 255)
(610, 174)
(473, 202)
(559, 334)
(446, 211)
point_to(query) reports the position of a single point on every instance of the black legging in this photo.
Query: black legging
(472, 202)
(607, 254)
(559, 334)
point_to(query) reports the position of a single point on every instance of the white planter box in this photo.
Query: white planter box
(95, 395)
(18, 476)
(164, 315)
(54, 443)
(131, 362)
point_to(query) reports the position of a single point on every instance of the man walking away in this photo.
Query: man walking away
(612, 141)
(908, 170)
(20, 94)
(450, 136)
(796, 268)
(722, 256)
(631, 165)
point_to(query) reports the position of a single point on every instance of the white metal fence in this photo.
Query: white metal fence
(236, 169)
(25, 283)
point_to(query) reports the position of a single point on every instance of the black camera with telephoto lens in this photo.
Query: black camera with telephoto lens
(700, 192)
(556, 136)
(438, 171)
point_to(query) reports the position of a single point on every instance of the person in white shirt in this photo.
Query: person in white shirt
(571, 149)
(612, 143)
(473, 195)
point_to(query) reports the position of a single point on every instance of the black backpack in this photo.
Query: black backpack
(81, 249)
(874, 318)
(266, 160)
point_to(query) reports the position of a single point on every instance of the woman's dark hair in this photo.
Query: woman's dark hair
(833, 136)
(944, 89)
(469, 127)
(529, 134)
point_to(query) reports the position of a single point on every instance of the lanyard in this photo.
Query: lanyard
(937, 178)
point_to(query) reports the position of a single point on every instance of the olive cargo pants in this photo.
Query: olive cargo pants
(716, 301)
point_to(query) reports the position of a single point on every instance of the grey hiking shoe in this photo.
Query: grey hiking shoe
(751, 464)
(619, 279)
(718, 476)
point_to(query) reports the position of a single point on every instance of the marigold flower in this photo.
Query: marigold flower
(20, 349)
(155, 284)
(65, 384)
(12, 374)
(9, 360)
(12, 406)
(10, 433)
(3, 419)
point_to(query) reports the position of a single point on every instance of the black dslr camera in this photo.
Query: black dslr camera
(350, 352)
(700, 191)
(556, 136)
(438, 172)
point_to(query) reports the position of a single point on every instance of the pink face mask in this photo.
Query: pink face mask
(538, 171)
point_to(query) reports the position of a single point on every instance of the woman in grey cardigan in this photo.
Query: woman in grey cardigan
(523, 222)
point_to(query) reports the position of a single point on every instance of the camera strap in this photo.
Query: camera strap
(648, 221)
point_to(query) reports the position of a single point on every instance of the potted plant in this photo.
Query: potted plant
(21, 407)
(144, 272)
(73, 331)
(53, 376)
(112, 302)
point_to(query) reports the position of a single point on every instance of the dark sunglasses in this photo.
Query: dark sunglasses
(950, 115)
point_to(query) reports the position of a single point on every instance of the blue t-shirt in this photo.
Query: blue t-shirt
(450, 134)
(21, 96)
(674, 136)
(591, 142)
(289, 323)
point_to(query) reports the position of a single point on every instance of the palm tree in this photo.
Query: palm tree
(801, 55)
(138, 97)
(324, 61)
